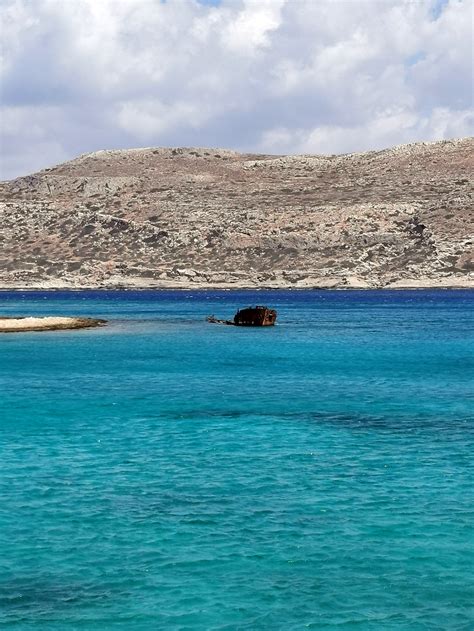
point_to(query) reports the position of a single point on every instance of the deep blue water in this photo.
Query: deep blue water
(165, 473)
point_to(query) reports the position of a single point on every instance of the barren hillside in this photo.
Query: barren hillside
(216, 218)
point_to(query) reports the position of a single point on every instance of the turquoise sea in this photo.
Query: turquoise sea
(165, 473)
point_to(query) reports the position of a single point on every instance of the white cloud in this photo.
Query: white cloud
(271, 75)
(387, 128)
(149, 118)
(249, 30)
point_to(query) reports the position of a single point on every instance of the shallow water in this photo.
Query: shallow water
(164, 473)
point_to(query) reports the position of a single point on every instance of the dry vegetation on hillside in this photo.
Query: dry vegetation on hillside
(206, 217)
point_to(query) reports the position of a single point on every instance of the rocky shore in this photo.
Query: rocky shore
(49, 323)
(190, 218)
(130, 283)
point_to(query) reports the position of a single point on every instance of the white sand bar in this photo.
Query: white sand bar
(49, 323)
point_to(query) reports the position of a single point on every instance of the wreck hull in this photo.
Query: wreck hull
(255, 316)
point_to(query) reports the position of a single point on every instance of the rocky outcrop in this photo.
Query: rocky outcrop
(216, 218)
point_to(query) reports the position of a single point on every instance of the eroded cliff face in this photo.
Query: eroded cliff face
(216, 218)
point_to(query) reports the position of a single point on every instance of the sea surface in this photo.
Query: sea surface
(166, 473)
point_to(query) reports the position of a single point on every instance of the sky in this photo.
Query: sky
(266, 76)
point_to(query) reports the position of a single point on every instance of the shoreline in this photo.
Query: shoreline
(10, 324)
(397, 286)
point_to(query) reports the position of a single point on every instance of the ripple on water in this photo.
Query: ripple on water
(313, 477)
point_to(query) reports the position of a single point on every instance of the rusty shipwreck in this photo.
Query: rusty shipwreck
(250, 316)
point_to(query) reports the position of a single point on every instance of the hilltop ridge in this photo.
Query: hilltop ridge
(200, 217)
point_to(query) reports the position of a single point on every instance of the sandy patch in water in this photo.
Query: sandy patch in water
(48, 323)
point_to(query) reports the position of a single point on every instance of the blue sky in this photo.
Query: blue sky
(271, 76)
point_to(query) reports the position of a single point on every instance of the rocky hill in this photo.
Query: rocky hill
(194, 217)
